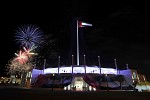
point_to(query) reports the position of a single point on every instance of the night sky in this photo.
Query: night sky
(120, 30)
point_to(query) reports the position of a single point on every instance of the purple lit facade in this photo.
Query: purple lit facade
(80, 69)
(75, 77)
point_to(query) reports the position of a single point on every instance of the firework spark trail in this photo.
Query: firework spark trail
(29, 51)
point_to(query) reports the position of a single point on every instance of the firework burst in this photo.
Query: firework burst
(29, 35)
(22, 57)
(15, 66)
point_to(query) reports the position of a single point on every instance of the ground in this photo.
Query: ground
(16, 93)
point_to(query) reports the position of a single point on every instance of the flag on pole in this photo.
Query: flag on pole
(83, 24)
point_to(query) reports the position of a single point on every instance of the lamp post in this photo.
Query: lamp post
(84, 63)
(53, 77)
(58, 64)
(107, 82)
(127, 66)
(116, 66)
(72, 62)
(99, 64)
(44, 65)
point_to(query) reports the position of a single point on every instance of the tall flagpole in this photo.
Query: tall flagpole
(77, 45)
(82, 24)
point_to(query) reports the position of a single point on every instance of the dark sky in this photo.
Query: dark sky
(120, 29)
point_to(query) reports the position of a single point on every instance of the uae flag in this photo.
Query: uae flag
(83, 24)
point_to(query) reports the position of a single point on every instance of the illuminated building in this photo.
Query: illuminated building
(88, 78)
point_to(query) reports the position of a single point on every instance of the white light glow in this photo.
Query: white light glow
(80, 69)
(86, 24)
